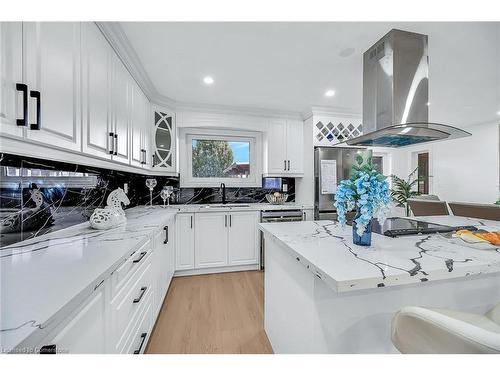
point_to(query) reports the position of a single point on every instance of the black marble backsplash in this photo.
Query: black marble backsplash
(39, 196)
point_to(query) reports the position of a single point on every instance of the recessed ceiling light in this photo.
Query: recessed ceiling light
(330, 93)
(208, 80)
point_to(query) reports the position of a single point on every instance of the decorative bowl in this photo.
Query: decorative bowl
(276, 198)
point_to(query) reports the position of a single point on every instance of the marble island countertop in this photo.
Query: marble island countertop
(44, 275)
(327, 250)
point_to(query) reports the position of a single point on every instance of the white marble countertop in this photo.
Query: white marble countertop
(328, 251)
(211, 207)
(41, 276)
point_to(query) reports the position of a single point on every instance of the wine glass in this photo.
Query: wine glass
(170, 190)
(165, 194)
(151, 183)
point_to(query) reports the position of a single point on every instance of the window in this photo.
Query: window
(216, 156)
(220, 158)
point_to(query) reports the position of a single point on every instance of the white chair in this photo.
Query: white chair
(419, 330)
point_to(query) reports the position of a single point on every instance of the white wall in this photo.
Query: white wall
(465, 169)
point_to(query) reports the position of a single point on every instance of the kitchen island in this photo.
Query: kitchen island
(325, 295)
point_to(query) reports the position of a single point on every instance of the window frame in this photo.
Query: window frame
(254, 139)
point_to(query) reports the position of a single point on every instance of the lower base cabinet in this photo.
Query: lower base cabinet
(120, 313)
(83, 332)
(216, 240)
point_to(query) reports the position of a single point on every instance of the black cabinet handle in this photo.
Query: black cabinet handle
(225, 220)
(111, 142)
(165, 228)
(36, 95)
(138, 299)
(230, 220)
(24, 89)
(191, 221)
(115, 147)
(143, 338)
(143, 254)
(288, 164)
(152, 161)
(284, 161)
(48, 349)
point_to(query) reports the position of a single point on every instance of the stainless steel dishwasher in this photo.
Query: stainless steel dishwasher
(276, 216)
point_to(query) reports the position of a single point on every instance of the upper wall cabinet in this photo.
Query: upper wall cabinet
(141, 128)
(164, 140)
(96, 89)
(11, 67)
(285, 148)
(121, 94)
(52, 63)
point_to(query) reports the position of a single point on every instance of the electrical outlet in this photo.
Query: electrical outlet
(125, 188)
(285, 188)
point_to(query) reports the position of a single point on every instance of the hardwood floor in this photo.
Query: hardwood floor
(218, 313)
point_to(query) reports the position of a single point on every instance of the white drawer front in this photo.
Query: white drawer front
(138, 339)
(127, 304)
(123, 273)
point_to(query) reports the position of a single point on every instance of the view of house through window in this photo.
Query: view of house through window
(220, 158)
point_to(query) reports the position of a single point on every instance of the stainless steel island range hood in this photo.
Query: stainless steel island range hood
(396, 94)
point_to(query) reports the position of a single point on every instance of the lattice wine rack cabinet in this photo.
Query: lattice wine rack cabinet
(328, 132)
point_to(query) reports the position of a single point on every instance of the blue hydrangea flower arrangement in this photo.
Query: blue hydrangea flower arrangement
(368, 192)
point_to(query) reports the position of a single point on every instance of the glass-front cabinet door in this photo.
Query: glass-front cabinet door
(164, 140)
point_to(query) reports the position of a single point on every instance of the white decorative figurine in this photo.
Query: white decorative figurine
(112, 215)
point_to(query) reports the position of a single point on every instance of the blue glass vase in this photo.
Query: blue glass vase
(366, 238)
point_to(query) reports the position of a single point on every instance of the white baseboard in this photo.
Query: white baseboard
(205, 271)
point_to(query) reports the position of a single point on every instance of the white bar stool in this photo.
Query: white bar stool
(419, 330)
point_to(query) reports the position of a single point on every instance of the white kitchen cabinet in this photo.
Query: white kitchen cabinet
(243, 238)
(295, 147)
(276, 147)
(84, 331)
(285, 150)
(184, 244)
(163, 263)
(11, 65)
(211, 239)
(96, 73)
(137, 126)
(140, 129)
(52, 63)
(163, 141)
(121, 87)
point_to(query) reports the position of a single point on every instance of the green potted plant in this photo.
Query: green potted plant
(402, 189)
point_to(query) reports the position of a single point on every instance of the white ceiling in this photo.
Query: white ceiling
(289, 66)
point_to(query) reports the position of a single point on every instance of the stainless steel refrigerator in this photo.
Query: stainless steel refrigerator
(332, 165)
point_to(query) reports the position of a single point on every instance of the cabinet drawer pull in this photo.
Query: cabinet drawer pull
(36, 95)
(48, 349)
(191, 222)
(138, 299)
(115, 147)
(230, 220)
(24, 89)
(284, 161)
(143, 338)
(143, 254)
(288, 164)
(225, 220)
(166, 234)
(111, 142)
